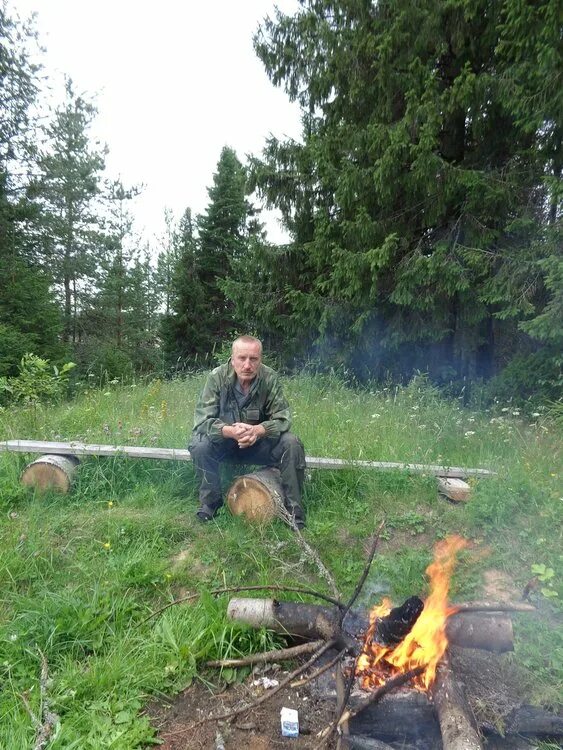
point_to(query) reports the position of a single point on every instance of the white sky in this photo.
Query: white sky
(174, 82)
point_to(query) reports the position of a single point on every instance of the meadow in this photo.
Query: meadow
(81, 573)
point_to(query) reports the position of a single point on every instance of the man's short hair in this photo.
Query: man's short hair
(247, 340)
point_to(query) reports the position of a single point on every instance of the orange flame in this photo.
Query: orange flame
(427, 641)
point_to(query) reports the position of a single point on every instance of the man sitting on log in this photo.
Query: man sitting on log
(243, 416)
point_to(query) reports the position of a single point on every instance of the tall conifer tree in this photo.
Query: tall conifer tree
(68, 188)
(203, 315)
(423, 175)
(29, 320)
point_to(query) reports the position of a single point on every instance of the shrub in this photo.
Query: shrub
(37, 381)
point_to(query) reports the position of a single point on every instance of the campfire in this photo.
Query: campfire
(414, 635)
(390, 671)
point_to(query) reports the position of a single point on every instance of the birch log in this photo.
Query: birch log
(468, 630)
(257, 496)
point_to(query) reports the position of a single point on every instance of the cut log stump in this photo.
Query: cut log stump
(257, 496)
(454, 489)
(50, 472)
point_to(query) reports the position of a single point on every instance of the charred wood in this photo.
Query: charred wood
(358, 742)
(534, 722)
(404, 717)
(392, 629)
(489, 632)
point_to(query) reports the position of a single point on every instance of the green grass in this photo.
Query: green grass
(79, 573)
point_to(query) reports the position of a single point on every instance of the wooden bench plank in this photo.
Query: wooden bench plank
(77, 448)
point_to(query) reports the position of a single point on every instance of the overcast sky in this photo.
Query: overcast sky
(174, 81)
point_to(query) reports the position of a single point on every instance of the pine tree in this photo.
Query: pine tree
(68, 188)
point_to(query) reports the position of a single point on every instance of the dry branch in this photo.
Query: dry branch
(311, 553)
(318, 672)
(491, 607)
(280, 654)
(263, 698)
(48, 718)
(364, 575)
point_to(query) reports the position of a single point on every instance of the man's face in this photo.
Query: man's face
(246, 359)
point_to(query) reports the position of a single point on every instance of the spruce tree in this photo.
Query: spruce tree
(181, 328)
(423, 177)
(202, 314)
(222, 238)
(115, 319)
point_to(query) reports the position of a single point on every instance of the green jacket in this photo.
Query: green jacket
(265, 403)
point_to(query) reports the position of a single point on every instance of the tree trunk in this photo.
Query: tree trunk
(489, 632)
(467, 630)
(457, 723)
(257, 495)
(50, 472)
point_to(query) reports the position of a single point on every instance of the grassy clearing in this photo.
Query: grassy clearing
(79, 573)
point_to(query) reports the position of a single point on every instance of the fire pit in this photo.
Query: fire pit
(408, 646)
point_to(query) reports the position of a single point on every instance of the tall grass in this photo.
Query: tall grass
(79, 573)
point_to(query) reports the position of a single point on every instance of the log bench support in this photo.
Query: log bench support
(454, 489)
(50, 472)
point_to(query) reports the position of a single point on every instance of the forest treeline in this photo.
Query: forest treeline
(423, 203)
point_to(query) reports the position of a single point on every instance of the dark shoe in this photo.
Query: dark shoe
(205, 514)
(300, 524)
